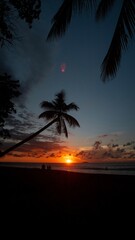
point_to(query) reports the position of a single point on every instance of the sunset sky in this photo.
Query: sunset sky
(72, 63)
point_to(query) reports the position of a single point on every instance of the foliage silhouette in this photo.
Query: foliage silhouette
(9, 12)
(9, 89)
(125, 28)
(57, 113)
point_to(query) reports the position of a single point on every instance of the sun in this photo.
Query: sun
(68, 161)
(68, 158)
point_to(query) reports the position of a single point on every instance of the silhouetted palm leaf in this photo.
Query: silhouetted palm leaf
(70, 120)
(124, 30)
(62, 18)
(48, 115)
(72, 106)
(103, 7)
(47, 105)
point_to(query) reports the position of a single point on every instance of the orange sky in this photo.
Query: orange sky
(39, 156)
(55, 149)
(62, 154)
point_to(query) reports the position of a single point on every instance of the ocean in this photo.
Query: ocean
(101, 168)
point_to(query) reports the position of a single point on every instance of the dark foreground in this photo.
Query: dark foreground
(61, 198)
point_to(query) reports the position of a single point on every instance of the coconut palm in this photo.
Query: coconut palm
(124, 29)
(56, 112)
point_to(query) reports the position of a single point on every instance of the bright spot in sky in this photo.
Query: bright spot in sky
(68, 160)
(63, 67)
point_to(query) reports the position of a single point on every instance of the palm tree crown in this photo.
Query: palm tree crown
(57, 110)
(124, 30)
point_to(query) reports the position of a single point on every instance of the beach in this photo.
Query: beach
(61, 197)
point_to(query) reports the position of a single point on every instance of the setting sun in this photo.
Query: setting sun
(68, 160)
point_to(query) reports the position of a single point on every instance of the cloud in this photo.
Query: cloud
(36, 149)
(108, 135)
(29, 60)
(21, 122)
(23, 125)
(103, 136)
(108, 152)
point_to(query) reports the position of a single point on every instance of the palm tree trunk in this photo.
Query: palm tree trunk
(27, 139)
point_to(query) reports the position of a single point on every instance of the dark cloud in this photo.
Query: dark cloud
(24, 124)
(110, 135)
(37, 149)
(108, 152)
(115, 145)
(51, 155)
(29, 60)
(103, 136)
(129, 143)
(21, 122)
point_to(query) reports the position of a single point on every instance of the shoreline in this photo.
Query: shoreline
(66, 197)
(125, 169)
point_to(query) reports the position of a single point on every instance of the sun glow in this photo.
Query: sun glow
(68, 161)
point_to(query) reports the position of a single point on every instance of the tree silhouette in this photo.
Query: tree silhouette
(124, 30)
(9, 89)
(9, 12)
(57, 113)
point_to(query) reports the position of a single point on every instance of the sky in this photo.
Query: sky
(106, 110)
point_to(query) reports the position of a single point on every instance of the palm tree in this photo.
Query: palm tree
(57, 113)
(124, 29)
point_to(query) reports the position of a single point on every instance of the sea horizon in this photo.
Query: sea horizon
(120, 168)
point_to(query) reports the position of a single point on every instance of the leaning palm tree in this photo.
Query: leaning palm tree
(124, 30)
(56, 112)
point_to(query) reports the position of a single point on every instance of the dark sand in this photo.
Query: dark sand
(58, 197)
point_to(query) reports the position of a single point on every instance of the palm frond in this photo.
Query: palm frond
(80, 5)
(49, 115)
(47, 105)
(111, 61)
(62, 18)
(70, 120)
(129, 17)
(72, 106)
(60, 97)
(124, 30)
(103, 8)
